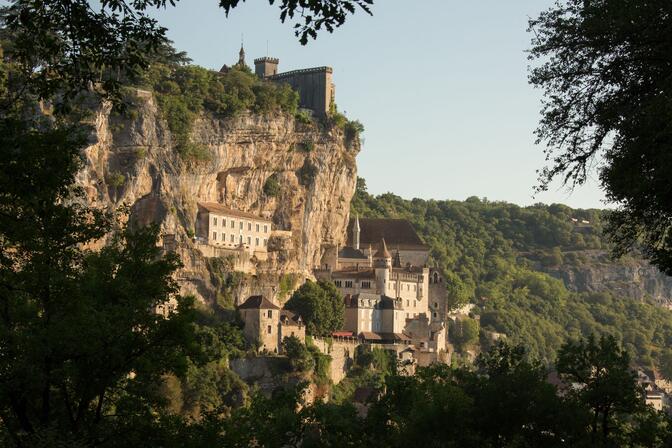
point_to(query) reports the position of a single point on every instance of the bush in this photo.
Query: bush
(306, 146)
(300, 358)
(115, 179)
(464, 332)
(272, 186)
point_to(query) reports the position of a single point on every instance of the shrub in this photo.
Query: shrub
(300, 359)
(272, 186)
(115, 179)
(306, 146)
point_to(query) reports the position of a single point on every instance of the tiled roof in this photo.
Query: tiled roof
(258, 303)
(220, 209)
(351, 252)
(398, 233)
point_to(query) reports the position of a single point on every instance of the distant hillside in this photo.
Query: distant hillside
(539, 273)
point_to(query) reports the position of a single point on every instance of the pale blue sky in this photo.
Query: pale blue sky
(440, 86)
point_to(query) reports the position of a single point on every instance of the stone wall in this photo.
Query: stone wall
(315, 87)
(342, 352)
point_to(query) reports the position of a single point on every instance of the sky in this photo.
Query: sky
(440, 86)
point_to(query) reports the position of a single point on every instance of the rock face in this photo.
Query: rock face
(133, 162)
(632, 277)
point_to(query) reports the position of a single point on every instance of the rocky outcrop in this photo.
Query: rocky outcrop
(133, 162)
(630, 277)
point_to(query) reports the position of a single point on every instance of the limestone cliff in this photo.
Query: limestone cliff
(630, 277)
(133, 162)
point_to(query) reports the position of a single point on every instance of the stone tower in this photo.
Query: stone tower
(382, 263)
(266, 67)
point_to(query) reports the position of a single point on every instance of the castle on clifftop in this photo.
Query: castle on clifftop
(314, 85)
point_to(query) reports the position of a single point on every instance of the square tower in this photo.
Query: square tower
(265, 67)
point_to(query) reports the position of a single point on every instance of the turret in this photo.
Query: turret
(382, 263)
(265, 67)
(355, 233)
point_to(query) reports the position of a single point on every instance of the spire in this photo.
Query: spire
(396, 263)
(355, 233)
(241, 56)
(382, 250)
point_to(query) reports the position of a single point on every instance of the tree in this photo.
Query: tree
(604, 68)
(80, 340)
(300, 358)
(320, 305)
(606, 384)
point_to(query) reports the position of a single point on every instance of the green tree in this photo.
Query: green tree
(320, 305)
(606, 385)
(603, 67)
(300, 358)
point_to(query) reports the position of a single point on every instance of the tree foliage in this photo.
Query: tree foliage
(320, 305)
(604, 67)
(494, 255)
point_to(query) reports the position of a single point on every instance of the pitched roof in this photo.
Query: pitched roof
(382, 251)
(290, 319)
(351, 252)
(258, 303)
(397, 233)
(216, 207)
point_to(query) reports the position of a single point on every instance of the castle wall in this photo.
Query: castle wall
(314, 86)
(342, 352)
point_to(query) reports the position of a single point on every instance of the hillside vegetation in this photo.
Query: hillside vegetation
(492, 252)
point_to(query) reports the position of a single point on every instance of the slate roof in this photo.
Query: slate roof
(398, 233)
(382, 251)
(351, 252)
(219, 208)
(258, 303)
(362, 274)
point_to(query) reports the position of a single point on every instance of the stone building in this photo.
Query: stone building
(225, 227)
(314, 85)
(389, 299)
(266, 325)
(261, 317)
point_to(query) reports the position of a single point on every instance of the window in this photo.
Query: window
(366, 285)
(223, 222)
(240, 240)
(214, 221)
(256, 241)
(414, 288)
(268, 329)
(436, 304)
(214, 236)
(232, 237)
(348, 283)
(270, 314)
(241, 225)
(265, 242)
(338, 283)
(436, 314)
(257, 228)
(249, 226)
(233, 223)
(408, 303)
(265, 228)
(249, 240)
